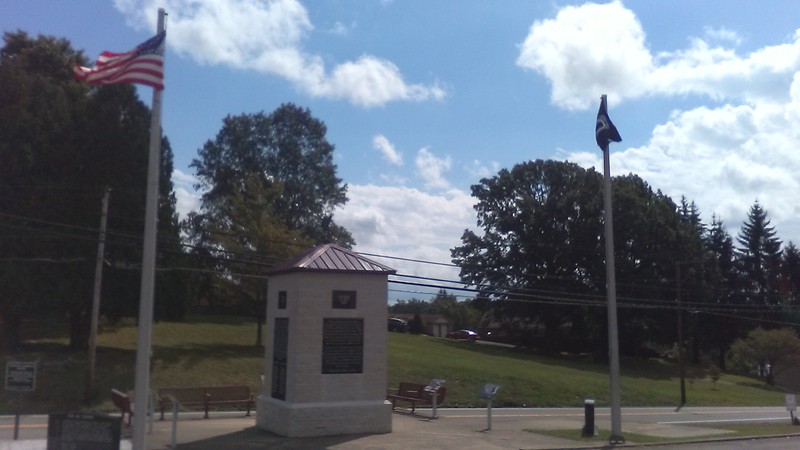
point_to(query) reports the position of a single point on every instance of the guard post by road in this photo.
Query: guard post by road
(588, 423)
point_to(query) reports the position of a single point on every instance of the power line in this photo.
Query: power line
(551, 296)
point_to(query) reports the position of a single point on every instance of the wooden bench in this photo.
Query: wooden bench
(415, 394)
(204, 397)
(123, 402)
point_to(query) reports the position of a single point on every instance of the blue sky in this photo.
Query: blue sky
(422, 99)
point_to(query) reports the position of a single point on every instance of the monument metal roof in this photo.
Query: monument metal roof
(331, 258)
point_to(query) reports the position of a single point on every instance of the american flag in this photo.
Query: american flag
(143, 65)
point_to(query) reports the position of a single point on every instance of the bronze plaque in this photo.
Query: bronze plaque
(342, 346)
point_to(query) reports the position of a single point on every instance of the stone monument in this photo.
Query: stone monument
(325, 346)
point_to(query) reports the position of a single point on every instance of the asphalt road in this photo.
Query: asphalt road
(696, 415)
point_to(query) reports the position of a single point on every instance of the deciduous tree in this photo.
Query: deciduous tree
(62, 143)
(767, 352)
(270, 190)
(287, 148)
(541, 224)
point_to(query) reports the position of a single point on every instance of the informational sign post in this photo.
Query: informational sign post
(791, 406)
(489, 392)
(433, 387)
(20, 376)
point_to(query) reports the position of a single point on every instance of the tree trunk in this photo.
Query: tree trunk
(78, 331)
(721, 359)
(12, 328)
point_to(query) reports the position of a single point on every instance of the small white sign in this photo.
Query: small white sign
(791, 402)
(20, 376)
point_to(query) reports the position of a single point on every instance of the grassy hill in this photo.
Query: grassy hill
(221, 350)
(527, 379)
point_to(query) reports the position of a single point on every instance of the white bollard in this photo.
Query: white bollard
(174, 420)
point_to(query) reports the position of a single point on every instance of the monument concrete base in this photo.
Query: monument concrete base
(324, 418)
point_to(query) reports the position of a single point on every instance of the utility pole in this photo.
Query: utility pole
(98, 281)
(681, 363)
(679, 302)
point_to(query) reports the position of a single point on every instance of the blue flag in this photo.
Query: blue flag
(604, 130)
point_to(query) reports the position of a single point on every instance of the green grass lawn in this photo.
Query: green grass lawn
(222, 350)
(534, 380)
(749, 430)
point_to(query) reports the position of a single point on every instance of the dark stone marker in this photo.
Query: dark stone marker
(81, 431)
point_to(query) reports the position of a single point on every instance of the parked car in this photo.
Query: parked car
(399, 325)
(463, 335)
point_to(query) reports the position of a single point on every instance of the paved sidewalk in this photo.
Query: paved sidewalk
(456, 428)
(407, 432)
(462, 429)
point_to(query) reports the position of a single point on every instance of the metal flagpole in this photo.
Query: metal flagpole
(611, 282)
(144, 334)
(611, 285)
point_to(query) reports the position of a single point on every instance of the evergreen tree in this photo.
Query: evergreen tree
(790, 277)
(720, 330)
(758, 259)
(690, 214)
(695, 286)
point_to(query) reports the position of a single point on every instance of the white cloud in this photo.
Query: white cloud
(268, 36)
(393, 179)
(724, 159)
(432, 169)
(722, 34)
(589, 50)
(724, 156)
(370, 81)
(387, 149)
(188, 199)
(593, 49)
(340, 29)
(399, 221)
(478, 169)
